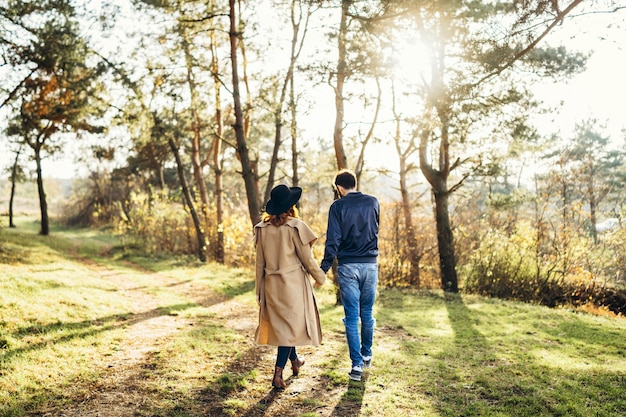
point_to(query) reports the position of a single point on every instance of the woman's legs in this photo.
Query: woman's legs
(293, 355)
(285, 353)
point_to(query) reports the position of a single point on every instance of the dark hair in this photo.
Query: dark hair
(280, 219)
(346, 179)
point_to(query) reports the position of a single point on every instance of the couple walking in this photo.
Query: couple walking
(288, 315)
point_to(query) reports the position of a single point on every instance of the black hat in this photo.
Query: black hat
(282, 198)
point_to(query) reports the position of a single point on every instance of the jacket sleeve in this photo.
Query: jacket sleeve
(333, 238)
(303, 249)
(259, 264)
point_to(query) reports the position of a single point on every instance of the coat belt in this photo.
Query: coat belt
(284, 270)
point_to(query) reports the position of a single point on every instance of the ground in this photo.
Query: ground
(121, 391)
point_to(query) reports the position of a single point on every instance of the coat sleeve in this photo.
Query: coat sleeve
(260, 265)
(303, 244)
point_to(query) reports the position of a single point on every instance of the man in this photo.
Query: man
(352, 238)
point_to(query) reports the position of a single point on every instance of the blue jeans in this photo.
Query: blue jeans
(357, 286)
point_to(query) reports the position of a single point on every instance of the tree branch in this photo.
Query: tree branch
(558, 19)
(16, 89)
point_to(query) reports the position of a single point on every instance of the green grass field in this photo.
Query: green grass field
(87, 328)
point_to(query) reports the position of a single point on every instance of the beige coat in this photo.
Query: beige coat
(288, 313)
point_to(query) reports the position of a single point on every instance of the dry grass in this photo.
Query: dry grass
(85, 333)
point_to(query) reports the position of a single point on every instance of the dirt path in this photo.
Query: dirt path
(118, 392)
(121, 390)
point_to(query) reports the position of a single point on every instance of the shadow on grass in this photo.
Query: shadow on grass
(351, 401)
(231, 291)
(470, 349)
(232, 393)
(82, 329)
(58, 333)
(477, 377)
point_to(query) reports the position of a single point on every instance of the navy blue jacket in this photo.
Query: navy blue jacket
(352, 233)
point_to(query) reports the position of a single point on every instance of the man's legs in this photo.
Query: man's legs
(369, 281)
(350, 295)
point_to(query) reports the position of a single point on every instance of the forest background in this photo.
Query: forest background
(183, 115)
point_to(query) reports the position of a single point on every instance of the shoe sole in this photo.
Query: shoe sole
(354, 377)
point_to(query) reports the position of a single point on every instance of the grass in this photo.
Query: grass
(63, 318)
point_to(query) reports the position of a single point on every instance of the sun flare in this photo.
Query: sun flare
(411, 60)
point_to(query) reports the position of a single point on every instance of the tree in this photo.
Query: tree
(216, 154)
(17, 175)
(298, 18)
(172, 141)
(247, 171)
(413, 248)
(467, 85)
(340, 79)
(59, 91)
(596, 166)
(196, 122)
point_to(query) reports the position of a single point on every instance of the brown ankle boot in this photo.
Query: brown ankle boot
(296, 364)
(278, 382)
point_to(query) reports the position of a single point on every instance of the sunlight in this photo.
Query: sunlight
(410, 59)
(557, 358)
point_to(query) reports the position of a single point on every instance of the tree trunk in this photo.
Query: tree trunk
(440, 102)
(445, 241)
(43, 205)
(342, 159)
(278, 124)
(216, 154)
(13, 182)
(360, 163)
(438, 182)
(11, 199)
(414, 250)
(295, 179)
(247, 171)
(196, 127)
(593, 201)
(278, 111)
(192, 210)
(293, 107)
(219, 203)
(340, 153)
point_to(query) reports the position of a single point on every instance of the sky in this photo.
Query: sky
(599, 92)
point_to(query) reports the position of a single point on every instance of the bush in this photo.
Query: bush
(395, 266)
(573, 272)
(158, 225)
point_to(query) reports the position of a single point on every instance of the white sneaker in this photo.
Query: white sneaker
(367, 361)
(355, 373)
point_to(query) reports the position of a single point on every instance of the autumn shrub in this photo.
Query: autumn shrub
(158, 225)
(572, 271)
(613, 245)
(238, 236)
(95, 201)
(401, 265)
(162, 224)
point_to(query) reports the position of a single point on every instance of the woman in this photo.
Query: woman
(288, 315)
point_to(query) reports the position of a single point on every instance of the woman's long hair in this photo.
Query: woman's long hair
(280, 219)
